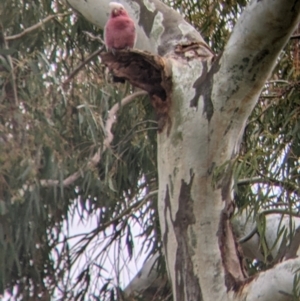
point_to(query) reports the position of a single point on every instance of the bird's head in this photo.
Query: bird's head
(117, 9)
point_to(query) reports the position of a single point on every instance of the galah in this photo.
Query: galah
(119, 32)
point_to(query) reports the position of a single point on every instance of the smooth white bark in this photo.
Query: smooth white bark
(210, 104)
(97, 12)
(146, 278)
(207, 123)
(159, 28)
(275, 284)
(248, 59)
(275, 224)
(243, 225)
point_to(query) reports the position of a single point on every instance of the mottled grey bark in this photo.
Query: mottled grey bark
(203, 104)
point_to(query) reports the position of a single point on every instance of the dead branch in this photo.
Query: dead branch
(112, 115)
(34, 27)
(131, 209)
(93, 37)
(106, 143)
(271, 181)
(81, 65)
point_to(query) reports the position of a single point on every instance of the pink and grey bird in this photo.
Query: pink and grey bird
(119, 32)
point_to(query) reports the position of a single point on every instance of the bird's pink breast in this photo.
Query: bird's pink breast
(120, 33)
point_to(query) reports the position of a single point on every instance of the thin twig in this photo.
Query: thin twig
(267, 180)
(93, 37)
(278, 81)
(280, 211)
(66, 182)
(268, 212)
(131, 209)
(248, 236)
(34, 27)
(81, 65)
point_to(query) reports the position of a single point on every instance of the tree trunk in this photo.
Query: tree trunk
(204, 102)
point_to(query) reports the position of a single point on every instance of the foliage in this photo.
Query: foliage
(53, 122)
(271, 145)
(213, 19)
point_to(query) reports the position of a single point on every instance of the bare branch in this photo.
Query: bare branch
(279, 211)
(81, 65)
(109, 137)
(66, 182)
(248, 236)
(93, 37)
(271, 181)
(87, 60)
(34, 27)
(271, 212)
(112, 115)
(130, 210)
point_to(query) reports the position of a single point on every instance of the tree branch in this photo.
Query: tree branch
(271, 181)
(87, 60)
(131, 209)
(81, 65)
(294, 245)
(171, 28)
(112, 113)
(106, 143)
(249, 57)
(147, 281)
(276, 221)
(274, 284)
(34, 27)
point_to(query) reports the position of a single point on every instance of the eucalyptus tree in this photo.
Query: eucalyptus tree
(187, 156)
